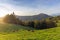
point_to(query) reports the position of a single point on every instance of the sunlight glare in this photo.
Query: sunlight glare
(3, 11)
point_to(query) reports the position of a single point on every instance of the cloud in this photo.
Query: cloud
(32, 7)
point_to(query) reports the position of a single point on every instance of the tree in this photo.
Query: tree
(6, 18)
(31, 24)
(11, 19)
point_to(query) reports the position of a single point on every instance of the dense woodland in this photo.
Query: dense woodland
(38, 24)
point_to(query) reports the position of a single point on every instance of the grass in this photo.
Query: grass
(8, 28)
(17, 32)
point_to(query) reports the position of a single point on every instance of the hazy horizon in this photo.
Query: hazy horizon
(29, 7)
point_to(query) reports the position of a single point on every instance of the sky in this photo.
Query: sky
(29, 7)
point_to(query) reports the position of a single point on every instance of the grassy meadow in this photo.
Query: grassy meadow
(17, 32)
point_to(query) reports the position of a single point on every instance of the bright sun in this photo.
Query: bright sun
(2, 15)
(3, 11)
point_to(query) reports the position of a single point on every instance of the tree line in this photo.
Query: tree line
(38, 24)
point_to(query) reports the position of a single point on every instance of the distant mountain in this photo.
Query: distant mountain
(55, 14)
(34, 17)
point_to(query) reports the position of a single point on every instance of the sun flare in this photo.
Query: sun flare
(3, 11)
(2, 15)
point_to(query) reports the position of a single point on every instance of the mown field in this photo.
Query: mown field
(17, 32)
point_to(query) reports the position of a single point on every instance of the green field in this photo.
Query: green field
(17, 32)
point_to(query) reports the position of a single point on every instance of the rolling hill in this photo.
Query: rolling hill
(10, 32)
(34, 17)
(18, 32)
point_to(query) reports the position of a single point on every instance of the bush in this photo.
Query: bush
(31, 24)
(43, 24)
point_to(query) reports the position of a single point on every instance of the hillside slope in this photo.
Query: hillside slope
(7, 28)
(46, 34)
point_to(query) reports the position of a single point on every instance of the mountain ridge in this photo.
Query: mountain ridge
(34, 17)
